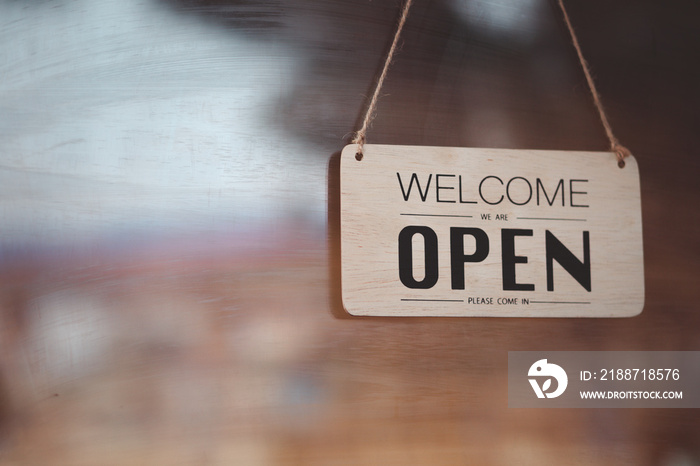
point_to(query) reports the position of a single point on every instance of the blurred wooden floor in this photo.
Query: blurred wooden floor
(169, 238)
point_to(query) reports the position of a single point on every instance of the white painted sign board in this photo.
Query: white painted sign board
(443, 231)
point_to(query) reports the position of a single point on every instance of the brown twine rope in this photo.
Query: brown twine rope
(615, 146)
(361, 135)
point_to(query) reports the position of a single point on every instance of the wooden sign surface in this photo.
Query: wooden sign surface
(442, 231)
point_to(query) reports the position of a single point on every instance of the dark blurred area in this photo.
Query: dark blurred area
(169, 228)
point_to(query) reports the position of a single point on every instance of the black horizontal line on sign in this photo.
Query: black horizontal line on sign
(559, 302)
(438, 215)
(545, 218)
(435, 300)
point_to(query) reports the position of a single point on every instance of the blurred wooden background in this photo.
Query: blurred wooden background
(169, 228)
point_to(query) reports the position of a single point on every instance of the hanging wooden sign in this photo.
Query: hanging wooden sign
(442, 231)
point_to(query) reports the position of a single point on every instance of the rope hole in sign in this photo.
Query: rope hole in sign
(621, 152)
